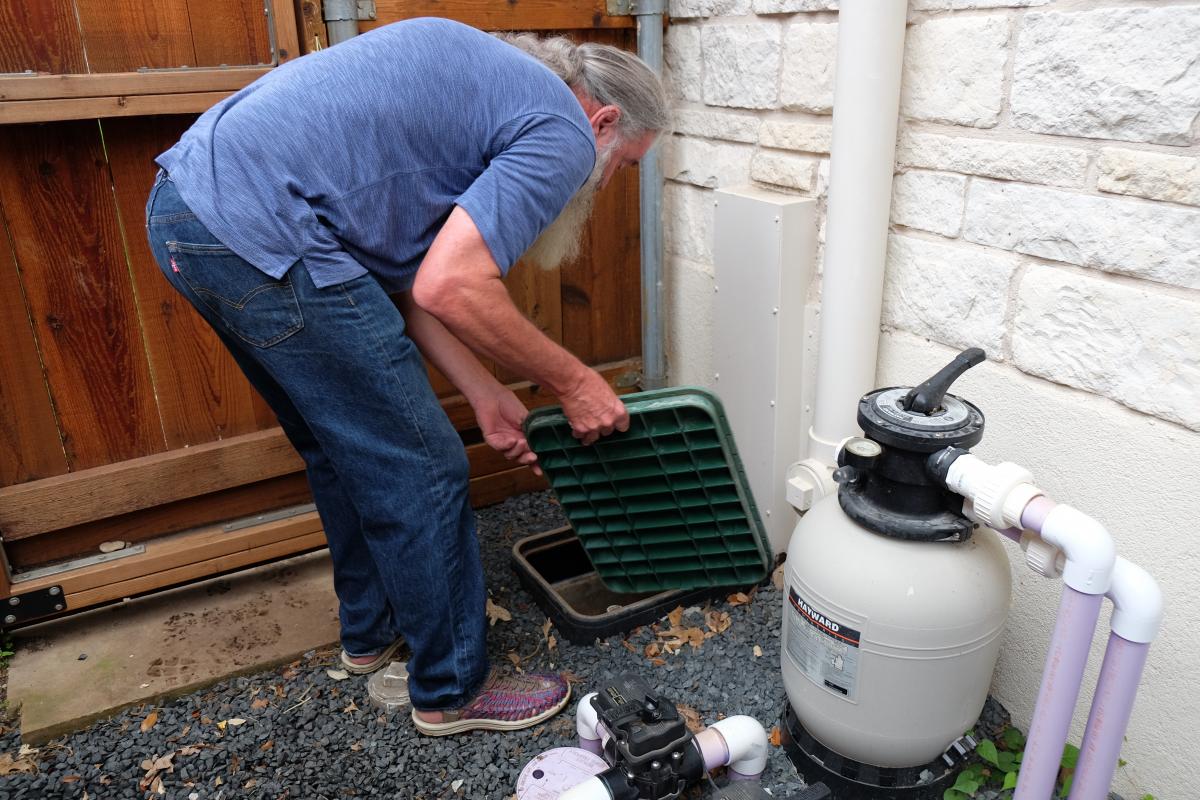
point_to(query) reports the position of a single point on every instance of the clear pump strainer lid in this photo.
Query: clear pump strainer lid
(388, 688)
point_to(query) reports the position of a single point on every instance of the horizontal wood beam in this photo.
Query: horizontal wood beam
(18, 111)
(64, 500)
(57, 87)
(194, 555)
(521, 15)
(51, 504)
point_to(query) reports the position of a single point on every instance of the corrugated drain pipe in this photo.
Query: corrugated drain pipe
(649, 15)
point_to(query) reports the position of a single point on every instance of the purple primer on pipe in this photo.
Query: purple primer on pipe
(1035, 513)
(713, 748)
(1111, 707)
(1065, 662)
(1011, 533)
(591, 745)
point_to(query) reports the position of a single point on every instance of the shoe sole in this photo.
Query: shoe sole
(464, 725)
(380, 660)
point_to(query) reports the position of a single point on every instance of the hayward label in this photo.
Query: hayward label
(822, 648)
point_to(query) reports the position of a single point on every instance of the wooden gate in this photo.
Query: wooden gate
(122, 419)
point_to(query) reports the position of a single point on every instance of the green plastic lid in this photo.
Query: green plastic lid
(664, 505)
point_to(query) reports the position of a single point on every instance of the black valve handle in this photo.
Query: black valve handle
(927, 398)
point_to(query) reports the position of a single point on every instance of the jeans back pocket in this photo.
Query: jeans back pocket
(247, 302)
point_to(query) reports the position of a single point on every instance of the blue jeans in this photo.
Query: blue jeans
(388, 472)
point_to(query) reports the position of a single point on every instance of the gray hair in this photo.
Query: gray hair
(607, 74)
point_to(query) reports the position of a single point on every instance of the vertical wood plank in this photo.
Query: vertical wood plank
(29, 443)
(125, 35)
(202, 395)
(538, 295)
(313, 33)
(40, 35)
(59, 208)
(601, 291)
(230, 32)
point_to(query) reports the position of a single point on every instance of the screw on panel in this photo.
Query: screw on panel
(716, 376)
(59, 607)
(14, 601)
(772, 404)
(775, 310)
(54, 590)
(10, 619)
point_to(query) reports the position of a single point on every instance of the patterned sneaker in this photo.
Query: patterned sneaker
(507, 702)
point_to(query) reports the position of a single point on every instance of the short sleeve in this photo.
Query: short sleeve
(543, 161)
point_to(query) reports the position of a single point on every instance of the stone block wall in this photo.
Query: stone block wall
(1046, 207)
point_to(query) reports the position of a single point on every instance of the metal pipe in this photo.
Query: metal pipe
(341, 19)
(649, 15)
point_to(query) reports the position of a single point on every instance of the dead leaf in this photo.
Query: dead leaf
(757, 651)
(691, 717)
(217, 781)
(236, 721)
(739, 599)
(250, 784)
(774, 737)
(10, 765)
(337, 674)
(261, 702)
(515, 659)
(150, 720)
(350, 708)
(570, 677)
(356, 746)
(551, 643)
(222, 724)
(628, 646)
(658, 662)
(777, 577)
(279, 692)
(676, 617)
(652, 650)
(164, 763)
(189, 750)
(70, 778)
(717, 621)
(546, 628)
(267, 745)
(157, 786)
(456, 785)
(289, 674)
(496, 613)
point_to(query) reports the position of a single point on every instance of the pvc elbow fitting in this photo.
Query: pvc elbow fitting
(1137, 603)
(746, 742)
(1088, 547)
(586, 721)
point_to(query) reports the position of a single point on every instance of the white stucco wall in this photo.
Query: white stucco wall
(1046, 208)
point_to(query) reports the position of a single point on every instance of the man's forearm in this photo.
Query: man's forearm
(483, 316)
(447, 353)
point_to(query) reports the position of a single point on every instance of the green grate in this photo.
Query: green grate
(664, 505)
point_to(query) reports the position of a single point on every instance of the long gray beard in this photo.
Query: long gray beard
(560, 242)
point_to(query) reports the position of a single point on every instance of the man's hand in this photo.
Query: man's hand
(593, 408)
(500, 415)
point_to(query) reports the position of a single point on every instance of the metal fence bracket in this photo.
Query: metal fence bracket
(31, 605)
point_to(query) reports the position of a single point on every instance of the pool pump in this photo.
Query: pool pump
(635, 745)
(893, 609)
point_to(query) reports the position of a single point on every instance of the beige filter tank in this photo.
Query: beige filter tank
(889, 645)
(895, 602)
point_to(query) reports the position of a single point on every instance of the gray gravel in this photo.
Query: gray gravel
(319, 738)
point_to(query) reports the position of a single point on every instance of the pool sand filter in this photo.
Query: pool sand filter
(895, 597)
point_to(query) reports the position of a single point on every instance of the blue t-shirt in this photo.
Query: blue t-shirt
(352, 158)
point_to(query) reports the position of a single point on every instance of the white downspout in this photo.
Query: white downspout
(866, 107)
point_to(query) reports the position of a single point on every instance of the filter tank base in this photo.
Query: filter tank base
(853, 780)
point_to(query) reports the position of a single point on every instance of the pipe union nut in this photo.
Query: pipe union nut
(993, 488)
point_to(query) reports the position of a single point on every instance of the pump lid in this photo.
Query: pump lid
(924, 418)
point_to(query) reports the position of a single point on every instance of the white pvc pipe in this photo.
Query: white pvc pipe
(1137, 603)
(591, 789)
(866, 106)
(586, 722)
(746, 741)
